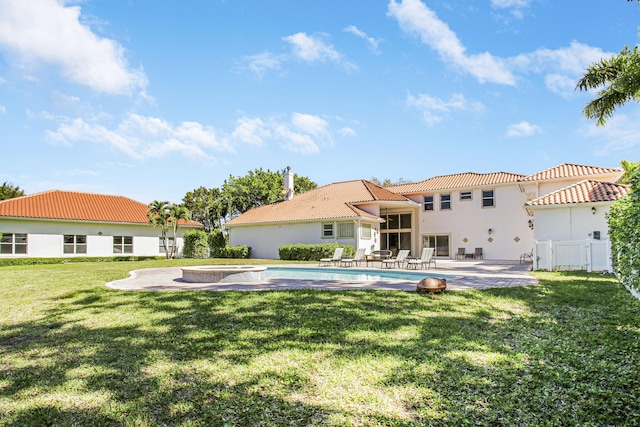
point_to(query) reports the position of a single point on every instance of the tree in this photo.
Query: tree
(10, 191)
(629, 169)
(199, 202)
(618, 79)
(177, 213)
(387, 182)
(159, 214)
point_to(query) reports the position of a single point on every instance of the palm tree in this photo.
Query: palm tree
(159, 214)
(177, 213)
(618, 79)
(629, 168)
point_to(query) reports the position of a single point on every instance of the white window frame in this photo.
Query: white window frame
(492, 198)
(465, 196)
(365, 231)
(75, 247)
(8, 240)
(327, 230)
(169, 244)
(122, 245)
(428, 203)
(445, 201)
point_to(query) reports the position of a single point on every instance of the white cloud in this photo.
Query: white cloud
(514, 6)
(251, 131)
(416, 18)
(295, 141)
(3, 109)
(435, 109)
(140, 137)
(346, 131)
(38, 32)
(263, 62)
(621, 134)
(373, 43)
(315, 49)
(522, 129)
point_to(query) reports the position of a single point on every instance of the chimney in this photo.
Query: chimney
(288, 184)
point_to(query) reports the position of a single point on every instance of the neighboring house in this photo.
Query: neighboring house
(467, 210)
(348, 213)
(67, 223)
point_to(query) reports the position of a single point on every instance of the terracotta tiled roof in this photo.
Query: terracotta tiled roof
(333, 201)
(74, 206)
(570, 170)
(587, 191)
(460, 180)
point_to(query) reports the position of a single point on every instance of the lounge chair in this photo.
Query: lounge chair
(378, 256)
(398, 260)
(478, 254)
(335, 259)
(461, 253)
(357, 259)
(424, 261)
(526, 257)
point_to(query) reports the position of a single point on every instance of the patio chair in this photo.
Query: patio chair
(357, 259)
(398, 260)
(377, 256)
(461, 253)
(478, 254)
(335, 259)
(526, 257)
(424, 261)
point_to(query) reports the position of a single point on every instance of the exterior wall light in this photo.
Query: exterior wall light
(530, 223)
(593, 210)
(490, 231)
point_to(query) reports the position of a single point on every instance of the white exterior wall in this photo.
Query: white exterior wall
(468, 220)
(45, 238)
(265, 240)
(573, 222)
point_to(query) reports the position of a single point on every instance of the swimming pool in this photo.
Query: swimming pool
(351, 274)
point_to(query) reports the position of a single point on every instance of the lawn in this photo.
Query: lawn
(75, 353)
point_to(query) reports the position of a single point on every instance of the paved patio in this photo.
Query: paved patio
(463, 274)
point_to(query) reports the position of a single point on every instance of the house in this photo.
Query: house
(469, 211)
(67, 224)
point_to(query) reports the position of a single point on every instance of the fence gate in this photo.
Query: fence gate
(570, 255)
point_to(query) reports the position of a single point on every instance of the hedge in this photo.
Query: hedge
(312, 252)
(195, 244)
(239, 252)
(34, 261)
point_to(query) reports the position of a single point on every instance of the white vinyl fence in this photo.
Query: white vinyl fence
(586, 255)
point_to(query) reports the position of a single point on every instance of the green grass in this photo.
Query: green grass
(75, 353)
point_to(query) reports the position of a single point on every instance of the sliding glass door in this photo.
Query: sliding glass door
(438, 241)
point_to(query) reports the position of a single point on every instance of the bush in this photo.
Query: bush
(35, 261)
(196, 244)
(217, 240)
(238, 252)
(312, 252)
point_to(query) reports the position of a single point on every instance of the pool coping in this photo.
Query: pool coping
(460, 276)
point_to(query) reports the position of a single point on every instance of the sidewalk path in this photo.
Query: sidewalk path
(461, 275)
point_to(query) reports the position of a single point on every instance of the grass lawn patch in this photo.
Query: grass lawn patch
(73, 352)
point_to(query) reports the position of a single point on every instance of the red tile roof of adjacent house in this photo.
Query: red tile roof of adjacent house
(333, 201)
(570, 170)
(74, 206)
(587, 191)
(460, 180)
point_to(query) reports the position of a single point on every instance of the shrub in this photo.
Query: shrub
(239, 252)
(217, 239)
(196, 244)
(35, 261)
(312, 252)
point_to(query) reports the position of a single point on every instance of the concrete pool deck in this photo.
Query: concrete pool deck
(462, 275)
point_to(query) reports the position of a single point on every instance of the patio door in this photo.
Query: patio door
(395, 233)
(438, 241)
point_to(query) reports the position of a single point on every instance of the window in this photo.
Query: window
(123, 244)
(11, 243)
(74, 244)
(365, 231)
(445, 202)
(345, 230)
(465, 195)
(169, 244)
(487, 199)
(327, 230)
(428, 203)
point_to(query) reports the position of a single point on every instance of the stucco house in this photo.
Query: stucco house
(486, 211)
(67, 224)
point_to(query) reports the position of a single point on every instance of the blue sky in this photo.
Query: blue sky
(151, 99)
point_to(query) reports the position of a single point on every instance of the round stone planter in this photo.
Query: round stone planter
(230, 273)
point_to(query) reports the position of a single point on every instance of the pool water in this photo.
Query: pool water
(351, 274)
